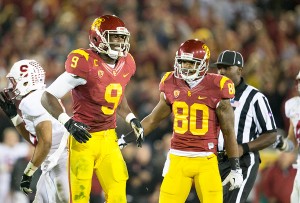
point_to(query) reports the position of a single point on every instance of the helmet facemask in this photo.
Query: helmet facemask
(105, 46)
(190, 74)
(24, 77)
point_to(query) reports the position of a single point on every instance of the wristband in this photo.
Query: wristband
(129, 117)
(234, 163)
(16, 120)
(30, 169)
(63, 118)
(245, 147)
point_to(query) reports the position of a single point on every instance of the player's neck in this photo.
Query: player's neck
(107, 59)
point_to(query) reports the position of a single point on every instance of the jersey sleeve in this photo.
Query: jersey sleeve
(288, 108)
(34, 111)
(227, 89)
(263, 116)
(131, 63)
(77, 63)
(162, 82)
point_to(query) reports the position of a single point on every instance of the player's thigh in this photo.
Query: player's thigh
(176, 185)
(208, 182)
(81, 159)
(81, 166)
(112, 169)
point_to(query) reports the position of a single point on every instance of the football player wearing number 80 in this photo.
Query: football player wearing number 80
(97, 77)
(200, 105)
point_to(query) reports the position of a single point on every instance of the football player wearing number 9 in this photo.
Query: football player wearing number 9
(200, 105)
(97, 77)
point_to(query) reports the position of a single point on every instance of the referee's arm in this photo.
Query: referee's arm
(265, 123)
(263, 141)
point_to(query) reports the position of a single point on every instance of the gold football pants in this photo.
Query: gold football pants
(101, 154)
(184, 171)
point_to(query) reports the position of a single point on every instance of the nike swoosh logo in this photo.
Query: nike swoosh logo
(125, 75)
(202, 97)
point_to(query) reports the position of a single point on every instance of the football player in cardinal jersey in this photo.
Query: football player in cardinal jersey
(97, 77)
(40, 129)
(292, 111)
(200, 105)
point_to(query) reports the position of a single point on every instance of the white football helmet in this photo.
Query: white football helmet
(26, 76)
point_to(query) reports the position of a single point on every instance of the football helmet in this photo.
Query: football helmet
(100, 32)
(195, 51)
(298, 82)
(25, 76)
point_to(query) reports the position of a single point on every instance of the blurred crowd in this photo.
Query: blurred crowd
(266, 32)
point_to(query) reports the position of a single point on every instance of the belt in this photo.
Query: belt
(222, 156)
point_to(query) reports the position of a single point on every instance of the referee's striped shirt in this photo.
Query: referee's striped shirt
(253, 115)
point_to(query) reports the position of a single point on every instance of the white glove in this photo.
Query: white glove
(121, 142)
(235, 178)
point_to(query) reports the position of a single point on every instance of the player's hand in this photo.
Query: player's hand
(78, 130)
(235, 178)
(25, 184)
(7, 105)
(138, 131)
(278, 144)
(121, 142)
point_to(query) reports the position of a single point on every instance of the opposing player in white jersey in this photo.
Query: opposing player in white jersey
(39, 128)
(292, 111)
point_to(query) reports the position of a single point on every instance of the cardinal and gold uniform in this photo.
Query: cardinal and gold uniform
(95, 104)
(192, 157)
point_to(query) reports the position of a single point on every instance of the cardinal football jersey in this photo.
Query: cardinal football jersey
(95, 103)
(196, 125)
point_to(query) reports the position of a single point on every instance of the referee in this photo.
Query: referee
(254, 124)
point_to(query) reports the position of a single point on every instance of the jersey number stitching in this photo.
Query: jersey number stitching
(113, 93)
(181, 122)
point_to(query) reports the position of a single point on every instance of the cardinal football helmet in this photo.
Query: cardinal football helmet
(100, 31)
(195, 51)
(25, 76)
(298, 81)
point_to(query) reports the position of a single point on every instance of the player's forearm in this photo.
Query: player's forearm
(123, 108)
(149, 124)
(40, 153)
(51, 104)
(44, 134)
(262, 142)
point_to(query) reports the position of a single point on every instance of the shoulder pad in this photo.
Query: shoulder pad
(165, 76)
(82, 53)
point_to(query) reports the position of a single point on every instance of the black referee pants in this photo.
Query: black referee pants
(249, 163)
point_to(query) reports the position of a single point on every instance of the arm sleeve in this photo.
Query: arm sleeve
(64, 83)
(227, 88)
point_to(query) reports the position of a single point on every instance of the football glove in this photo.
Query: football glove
(121, 142)
(235, 178)
(78, 130)
(138, 131)
(7, 105)
(25, 184)
(278, 144)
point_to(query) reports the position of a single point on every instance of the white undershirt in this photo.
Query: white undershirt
(64, 83)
